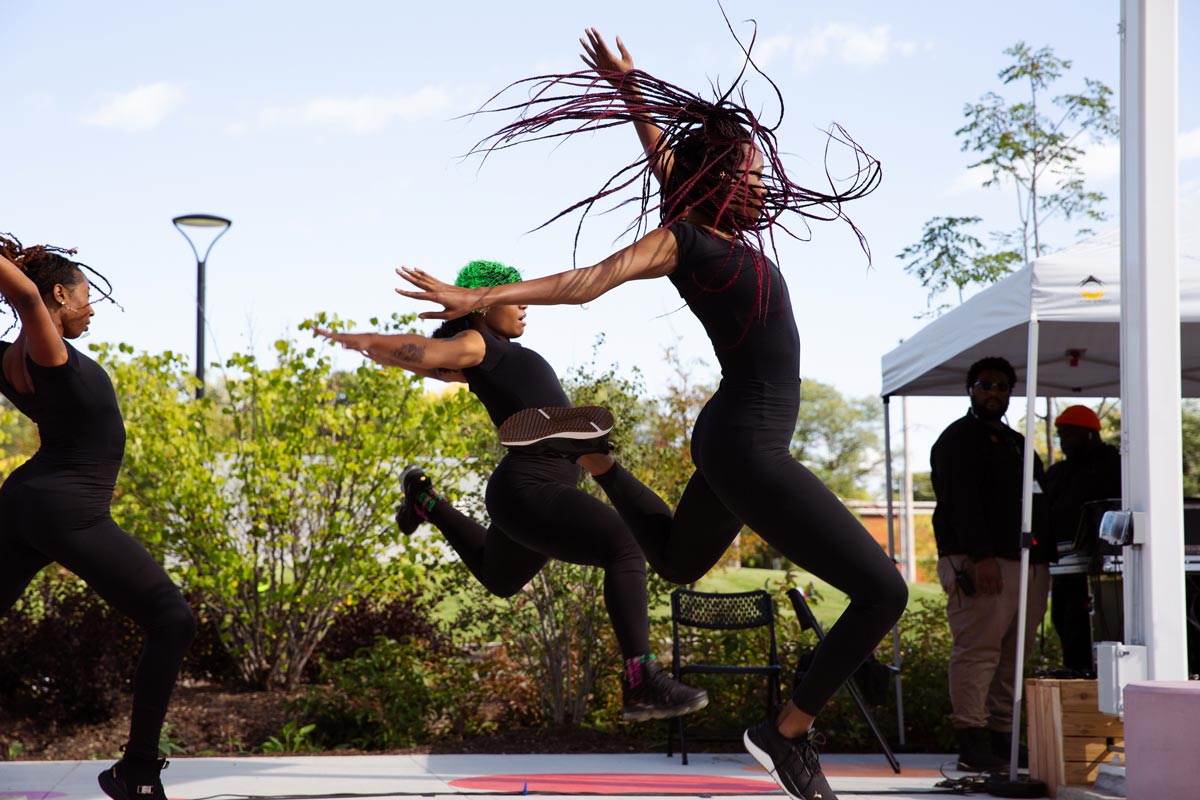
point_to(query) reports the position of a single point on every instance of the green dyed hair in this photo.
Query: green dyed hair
(486, 273)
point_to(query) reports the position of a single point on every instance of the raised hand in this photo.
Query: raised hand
(597, 56)
(455, 300)
(351, 341)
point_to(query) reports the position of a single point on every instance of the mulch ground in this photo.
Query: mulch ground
(209, 721)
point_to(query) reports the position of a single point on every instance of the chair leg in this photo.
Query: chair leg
(682, 740)
(866, 712)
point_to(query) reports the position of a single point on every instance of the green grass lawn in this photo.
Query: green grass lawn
(829, 602)
(828, 606)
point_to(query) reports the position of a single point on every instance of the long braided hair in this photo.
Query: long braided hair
(48, 266)
(708, 142)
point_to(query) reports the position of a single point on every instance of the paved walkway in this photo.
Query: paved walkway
(646, 775)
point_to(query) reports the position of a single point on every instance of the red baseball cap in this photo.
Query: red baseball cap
(1080, 417)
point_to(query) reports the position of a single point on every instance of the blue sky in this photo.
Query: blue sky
(332, 133)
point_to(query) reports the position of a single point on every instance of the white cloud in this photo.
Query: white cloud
(363, 114)
(971, 179)
(770, 48)
(1189, 144)
(139, 109)
(1101, 160)
(849, 44)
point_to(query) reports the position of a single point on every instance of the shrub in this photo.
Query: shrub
(65, 654)
(380, 698)
(404, 617)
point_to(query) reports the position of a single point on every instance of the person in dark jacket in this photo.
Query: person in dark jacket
(978, 469)
(1091, 471)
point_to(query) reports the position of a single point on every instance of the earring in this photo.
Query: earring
(483, 311)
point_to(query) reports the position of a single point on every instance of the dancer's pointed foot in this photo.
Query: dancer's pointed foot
(419, 498)
(650, 692)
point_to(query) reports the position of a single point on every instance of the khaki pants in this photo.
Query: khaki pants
(983, 659)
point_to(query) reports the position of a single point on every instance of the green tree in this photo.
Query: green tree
(274, 494)
(837, 438)
(1191, 448)
(1032, 146)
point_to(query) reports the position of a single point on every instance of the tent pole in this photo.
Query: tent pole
(891, 526)
(1031, 377)
(908, 529)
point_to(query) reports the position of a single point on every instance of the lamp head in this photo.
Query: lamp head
(207, 223)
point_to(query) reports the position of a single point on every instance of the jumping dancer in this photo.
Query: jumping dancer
(55, 506)
(715, 204)
(537, 510)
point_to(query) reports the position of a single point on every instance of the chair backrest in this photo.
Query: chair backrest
(722, 610)
(804, 615)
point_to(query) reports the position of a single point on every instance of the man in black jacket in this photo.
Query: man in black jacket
(1091, 471)
(978, 468)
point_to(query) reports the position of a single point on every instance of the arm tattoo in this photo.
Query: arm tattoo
(409, 353)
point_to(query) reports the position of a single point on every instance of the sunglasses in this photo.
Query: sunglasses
(992, 386)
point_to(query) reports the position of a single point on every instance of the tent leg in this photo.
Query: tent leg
(891, 519)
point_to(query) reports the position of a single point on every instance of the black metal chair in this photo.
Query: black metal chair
(807, 621)
(721, 611)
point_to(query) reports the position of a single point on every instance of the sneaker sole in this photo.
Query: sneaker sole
(534, 425)
(766, 763)
(665, 713)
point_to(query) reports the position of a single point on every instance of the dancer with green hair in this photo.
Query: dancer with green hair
(537, 509)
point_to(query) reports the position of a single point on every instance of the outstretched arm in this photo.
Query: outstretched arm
(613, 69)
(442, 359)
(652, 256)
(43, 340)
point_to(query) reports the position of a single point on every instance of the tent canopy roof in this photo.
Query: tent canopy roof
(1076, 297)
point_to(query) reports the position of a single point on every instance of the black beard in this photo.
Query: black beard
(987, 415)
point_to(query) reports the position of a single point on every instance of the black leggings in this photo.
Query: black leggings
(746, 475)
(538, 513)
(47, 515)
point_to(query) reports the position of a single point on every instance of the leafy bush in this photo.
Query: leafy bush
(276, 490)
(66, 656)
(378, 699)
(402, 618)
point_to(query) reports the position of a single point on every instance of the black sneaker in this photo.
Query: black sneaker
(657, 695)
(793, 763)
(129, 780)
(566, 432)
(1002, 747)
(975, 753)
(414, 483)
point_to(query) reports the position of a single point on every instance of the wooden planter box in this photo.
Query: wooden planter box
(1068, 737)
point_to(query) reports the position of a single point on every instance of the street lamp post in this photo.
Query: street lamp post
(209, 224)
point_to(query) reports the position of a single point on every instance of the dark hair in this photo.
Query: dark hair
(452, 327)
(48, 266)
(707, 139)
(995, 363)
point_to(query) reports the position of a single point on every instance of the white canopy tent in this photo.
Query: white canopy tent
(1075, 298)
(1066, 307)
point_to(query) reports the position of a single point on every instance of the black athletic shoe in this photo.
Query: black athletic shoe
(793, 763)
(657, 695)
(975, 753)
(414, 483)
(566, 432)
(128, 780)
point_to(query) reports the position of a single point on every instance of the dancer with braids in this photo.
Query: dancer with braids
(533, 498)
(55, 506)
(715, 205)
